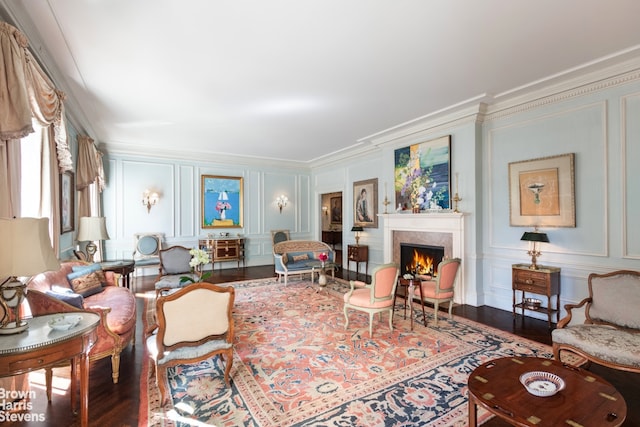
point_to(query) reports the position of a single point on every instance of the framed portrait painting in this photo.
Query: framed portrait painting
(422, 175)
(221, 201)
(67, 202)
(365, 203)
(541, 192)
(336, 210)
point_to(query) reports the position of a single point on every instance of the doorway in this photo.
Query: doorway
(331, 222)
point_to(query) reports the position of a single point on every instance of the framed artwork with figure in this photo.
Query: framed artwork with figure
(67, 202)
(541, 192)
(221, 201)
(365, 203)
(336, 210)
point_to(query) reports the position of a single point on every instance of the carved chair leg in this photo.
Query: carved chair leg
(115, 366)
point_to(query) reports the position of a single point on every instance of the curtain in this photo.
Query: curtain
(25, 93)
(89, 171)
(15, 112)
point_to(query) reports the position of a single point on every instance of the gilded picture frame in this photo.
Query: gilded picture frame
(542, 192)
(365, 203)
(221, 201)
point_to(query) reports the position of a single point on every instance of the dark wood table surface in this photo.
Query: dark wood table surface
(123, 266)
(586, 400)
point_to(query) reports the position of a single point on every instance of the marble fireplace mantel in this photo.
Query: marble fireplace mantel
(439, 229)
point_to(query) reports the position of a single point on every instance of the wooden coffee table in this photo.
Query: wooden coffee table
(587, 400)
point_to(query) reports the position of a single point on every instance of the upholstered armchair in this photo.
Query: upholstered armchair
(441, 289)
(374, 298)
(174, 264)
(195, 323)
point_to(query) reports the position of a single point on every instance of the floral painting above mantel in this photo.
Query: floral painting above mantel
(422, 175)
(221, 201)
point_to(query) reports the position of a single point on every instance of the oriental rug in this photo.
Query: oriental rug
(296, 365)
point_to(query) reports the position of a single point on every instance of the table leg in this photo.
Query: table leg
(473, 418)
(84, 390)
(74, 385)
(411, 302)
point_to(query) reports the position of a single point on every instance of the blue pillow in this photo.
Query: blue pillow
(66, 295)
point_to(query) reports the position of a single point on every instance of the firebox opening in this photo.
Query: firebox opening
(420, 259)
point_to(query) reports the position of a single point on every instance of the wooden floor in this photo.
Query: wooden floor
(117, 404)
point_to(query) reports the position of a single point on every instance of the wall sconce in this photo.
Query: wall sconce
(149, 199)
(281, 200)
(357, 229)
(325, 210)
(534, 237)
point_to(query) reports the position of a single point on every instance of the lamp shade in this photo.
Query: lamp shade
(92, 228)
(357, 228)
(534, 236)
(26, 247)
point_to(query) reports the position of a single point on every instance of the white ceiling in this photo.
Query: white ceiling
(300, 79)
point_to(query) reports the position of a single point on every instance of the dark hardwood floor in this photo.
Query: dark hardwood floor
(117, 404)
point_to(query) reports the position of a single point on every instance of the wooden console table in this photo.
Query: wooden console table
(41, 347)
(358, 254)
(543, 281)
(224, 249)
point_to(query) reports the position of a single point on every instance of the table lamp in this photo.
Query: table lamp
(92, 228)
(357, 229)
(534, 238)
(24, 252)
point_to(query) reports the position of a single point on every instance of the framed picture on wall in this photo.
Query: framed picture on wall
(67, 202)
(541, 192)
(221, 201)
(336, 210)
(365, 203)
(423, 175)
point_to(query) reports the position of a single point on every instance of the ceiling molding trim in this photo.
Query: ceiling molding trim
(128, 150)
(620, 74)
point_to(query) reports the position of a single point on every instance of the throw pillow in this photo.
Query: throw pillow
(86, 280)
(66, 295)
(300, 257)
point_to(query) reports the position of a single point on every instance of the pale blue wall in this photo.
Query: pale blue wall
(177, 214)
(599, 124)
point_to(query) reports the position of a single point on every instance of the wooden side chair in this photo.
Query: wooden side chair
(195, 323)
(174, 264)
(376, 297)
(441, 289)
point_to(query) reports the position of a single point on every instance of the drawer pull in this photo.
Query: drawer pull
(529, 282)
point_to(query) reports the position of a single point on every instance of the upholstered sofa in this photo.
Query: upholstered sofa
(295, 256)
(610, 334)
(115, 305)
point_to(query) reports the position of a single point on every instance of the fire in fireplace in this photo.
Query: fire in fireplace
(420, 259)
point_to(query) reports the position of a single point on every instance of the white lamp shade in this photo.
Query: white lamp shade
(92, 228)
(26, 249)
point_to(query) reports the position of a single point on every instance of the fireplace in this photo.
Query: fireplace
(420, 259)
(443, 230)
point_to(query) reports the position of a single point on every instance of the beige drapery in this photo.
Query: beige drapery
(89, 171)
(25, 93)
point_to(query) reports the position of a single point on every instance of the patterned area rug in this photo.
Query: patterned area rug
(296, 365)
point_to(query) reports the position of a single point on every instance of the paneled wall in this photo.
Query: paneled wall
(178, 211)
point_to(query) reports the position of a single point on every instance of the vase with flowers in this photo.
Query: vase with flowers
(222, 208)
(199, 258)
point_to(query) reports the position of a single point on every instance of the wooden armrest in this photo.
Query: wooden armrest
(565, 320)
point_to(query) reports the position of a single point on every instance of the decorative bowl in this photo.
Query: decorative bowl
(65, 322)
(532, 303)
(542, 384)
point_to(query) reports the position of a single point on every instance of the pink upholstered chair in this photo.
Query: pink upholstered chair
(441, 289)
(374, 298)
(194, 323)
